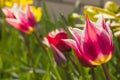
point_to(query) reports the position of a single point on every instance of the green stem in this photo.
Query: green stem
(30, 56)
(46, 51)
(93, 73)
(66, 68)
(80, 69)
(106, 72)
(75, 64)
(40, 41)
(30, 60)
(54, 66)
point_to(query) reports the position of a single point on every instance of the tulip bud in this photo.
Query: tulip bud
(55, 38)
(94, 45)
(54, 41)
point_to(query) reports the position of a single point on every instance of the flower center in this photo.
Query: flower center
(101, 59)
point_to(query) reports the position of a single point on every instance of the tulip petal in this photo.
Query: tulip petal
(17, 24)
(108, 28)
(73, 45)
(104, 43)
(46, 42)
(20, 17)
(82, 58)
(13, 22)
(90, 50)
(105, 26)
(50, 39)
(60, 36)
(58, 55)
(56, 40)
(70, 42)
(8, 13)
(30, 16)
(76, 33)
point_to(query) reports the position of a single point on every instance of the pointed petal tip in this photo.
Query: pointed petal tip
(108, 23)
(87, 20)
(69, 28)
(87, 17)
(101, 19)
(13, 22)
(27, 8)
(5, 11)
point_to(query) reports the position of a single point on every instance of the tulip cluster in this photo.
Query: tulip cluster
(93, 46)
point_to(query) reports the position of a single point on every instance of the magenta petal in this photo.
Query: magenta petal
(91, 31)
(55, 39)
(70, 42)
(8, 13)
(84, 60)
(13, 22)
(30, 16)
(76, 34)
(21, 17)
(73, 45)
(50, 40)
(60, 36)
(16, 24)
(90, 50)
(105, 26)
(104, 43)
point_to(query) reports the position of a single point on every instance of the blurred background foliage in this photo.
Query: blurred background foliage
(17, 64)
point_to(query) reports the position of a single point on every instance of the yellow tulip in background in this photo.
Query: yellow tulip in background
(37, 12)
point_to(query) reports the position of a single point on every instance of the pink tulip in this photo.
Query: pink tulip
(19, 19)
(93, 46)
(54, 41)
(55, 38)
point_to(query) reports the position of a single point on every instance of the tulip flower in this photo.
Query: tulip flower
(54, 41)
(93, 46)
(55, 38)
(19, 19)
